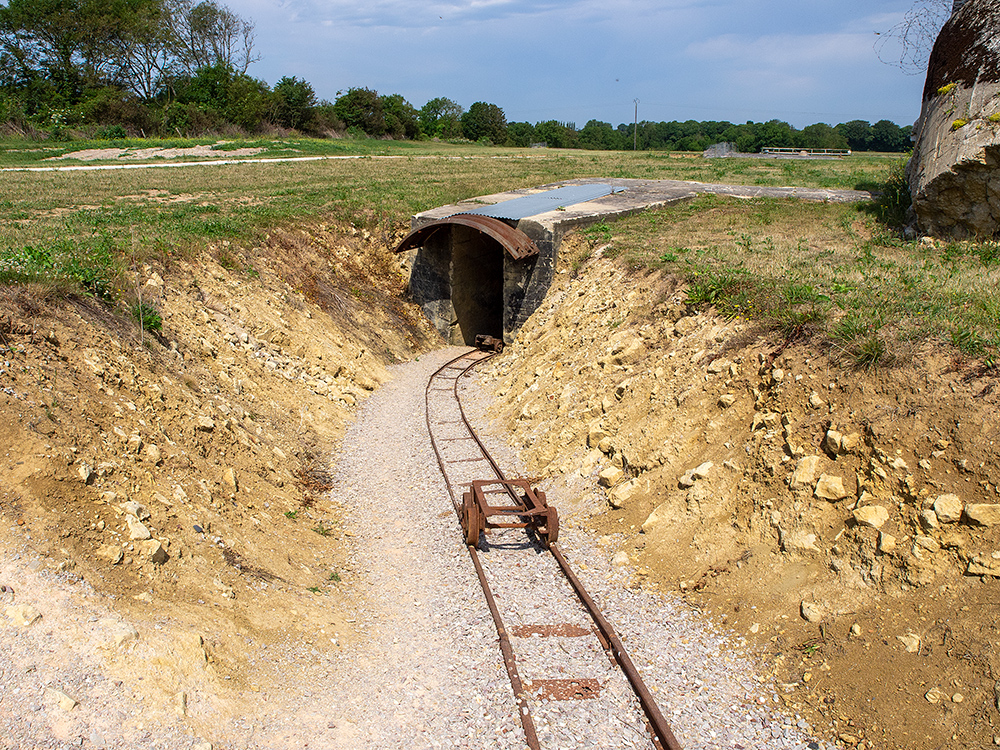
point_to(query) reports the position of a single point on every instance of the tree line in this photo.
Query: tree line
(118, 68)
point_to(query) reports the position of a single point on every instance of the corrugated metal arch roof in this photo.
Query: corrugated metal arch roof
(514, 241)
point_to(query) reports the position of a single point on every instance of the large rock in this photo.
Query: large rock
(610, 476)
(623, 493)
(804, 474)
(948, 508)
(953, 174)
(874, 516)
(983, 514)
(663, 517)
(984, 565)
(831, 487)
(798, 541)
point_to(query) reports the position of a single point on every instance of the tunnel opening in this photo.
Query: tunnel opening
(477, 285)
(469, 275)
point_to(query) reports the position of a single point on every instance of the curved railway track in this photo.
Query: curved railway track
(567, 667)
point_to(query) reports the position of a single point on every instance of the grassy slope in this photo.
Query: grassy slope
(796, 266)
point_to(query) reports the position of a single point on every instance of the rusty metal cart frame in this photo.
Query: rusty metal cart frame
(529, 506)
(489, 343)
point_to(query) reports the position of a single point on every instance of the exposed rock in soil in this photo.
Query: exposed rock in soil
(182, 476)
(869, 495)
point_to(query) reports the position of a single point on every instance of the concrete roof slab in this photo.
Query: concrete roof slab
(635, 196)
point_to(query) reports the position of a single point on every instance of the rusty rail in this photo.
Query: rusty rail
(660, 733)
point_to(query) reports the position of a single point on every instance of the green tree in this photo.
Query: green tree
(69, 42)
(857, 133)
(775, 133)
(485, 121)
(249, 102)
(362, 109)
(215, 95)
(294, 100)
(207, 33)
(441, 118)
(888, 136)
(819, 135)
(144, 53)
(521, 134)
(556, 134)
(599, 135)
(401, 117)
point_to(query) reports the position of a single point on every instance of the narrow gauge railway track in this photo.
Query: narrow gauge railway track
(574, 683)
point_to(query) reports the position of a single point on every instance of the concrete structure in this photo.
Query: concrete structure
(477, 276)
(953, 174)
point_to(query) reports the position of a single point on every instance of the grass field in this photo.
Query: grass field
(837, 270)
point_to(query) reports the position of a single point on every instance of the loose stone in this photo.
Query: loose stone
(874, 516)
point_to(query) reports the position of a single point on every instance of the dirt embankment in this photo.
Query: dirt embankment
(846, 523)
(182, 473)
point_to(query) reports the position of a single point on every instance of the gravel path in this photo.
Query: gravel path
(429, 674)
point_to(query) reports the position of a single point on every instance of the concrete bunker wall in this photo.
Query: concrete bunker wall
(467, 283)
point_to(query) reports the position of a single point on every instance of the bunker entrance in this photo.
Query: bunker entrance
(469, 274)
(476, 286)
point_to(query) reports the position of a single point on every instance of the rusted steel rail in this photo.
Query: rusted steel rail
(660, 733)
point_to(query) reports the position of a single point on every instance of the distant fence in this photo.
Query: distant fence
(807, 151)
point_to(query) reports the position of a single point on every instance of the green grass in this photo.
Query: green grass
(799, 268)
(825, 269)
(147, 316)
(322, 529)
(835, 271)
(176, 210)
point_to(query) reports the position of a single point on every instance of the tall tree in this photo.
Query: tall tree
(294, 101)
(858, 134)
(819, 135)
(361, 108)
(401, 117)
(206, 33)
(888, 136)
(144, 54)
(485, 121)
(441, 118)
(69, 42)
(600, 135)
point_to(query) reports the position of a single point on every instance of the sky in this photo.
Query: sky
(803, 62)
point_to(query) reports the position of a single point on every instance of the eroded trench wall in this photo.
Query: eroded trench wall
(467, 284)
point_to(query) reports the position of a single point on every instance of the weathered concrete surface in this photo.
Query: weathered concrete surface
(439, 270)
(953, 174)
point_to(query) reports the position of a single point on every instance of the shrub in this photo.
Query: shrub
(147, 316)
(111, 133)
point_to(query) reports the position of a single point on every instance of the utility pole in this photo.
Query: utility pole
(635, 126)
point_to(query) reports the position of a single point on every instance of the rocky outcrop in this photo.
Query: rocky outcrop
(953, 174)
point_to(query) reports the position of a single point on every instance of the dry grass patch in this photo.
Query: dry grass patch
(803, 268)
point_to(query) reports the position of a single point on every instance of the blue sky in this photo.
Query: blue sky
(576, 60)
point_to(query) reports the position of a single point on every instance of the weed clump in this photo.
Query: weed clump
(147, 316)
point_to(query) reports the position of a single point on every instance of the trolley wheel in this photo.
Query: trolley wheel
(471, 519)
(551, 533)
